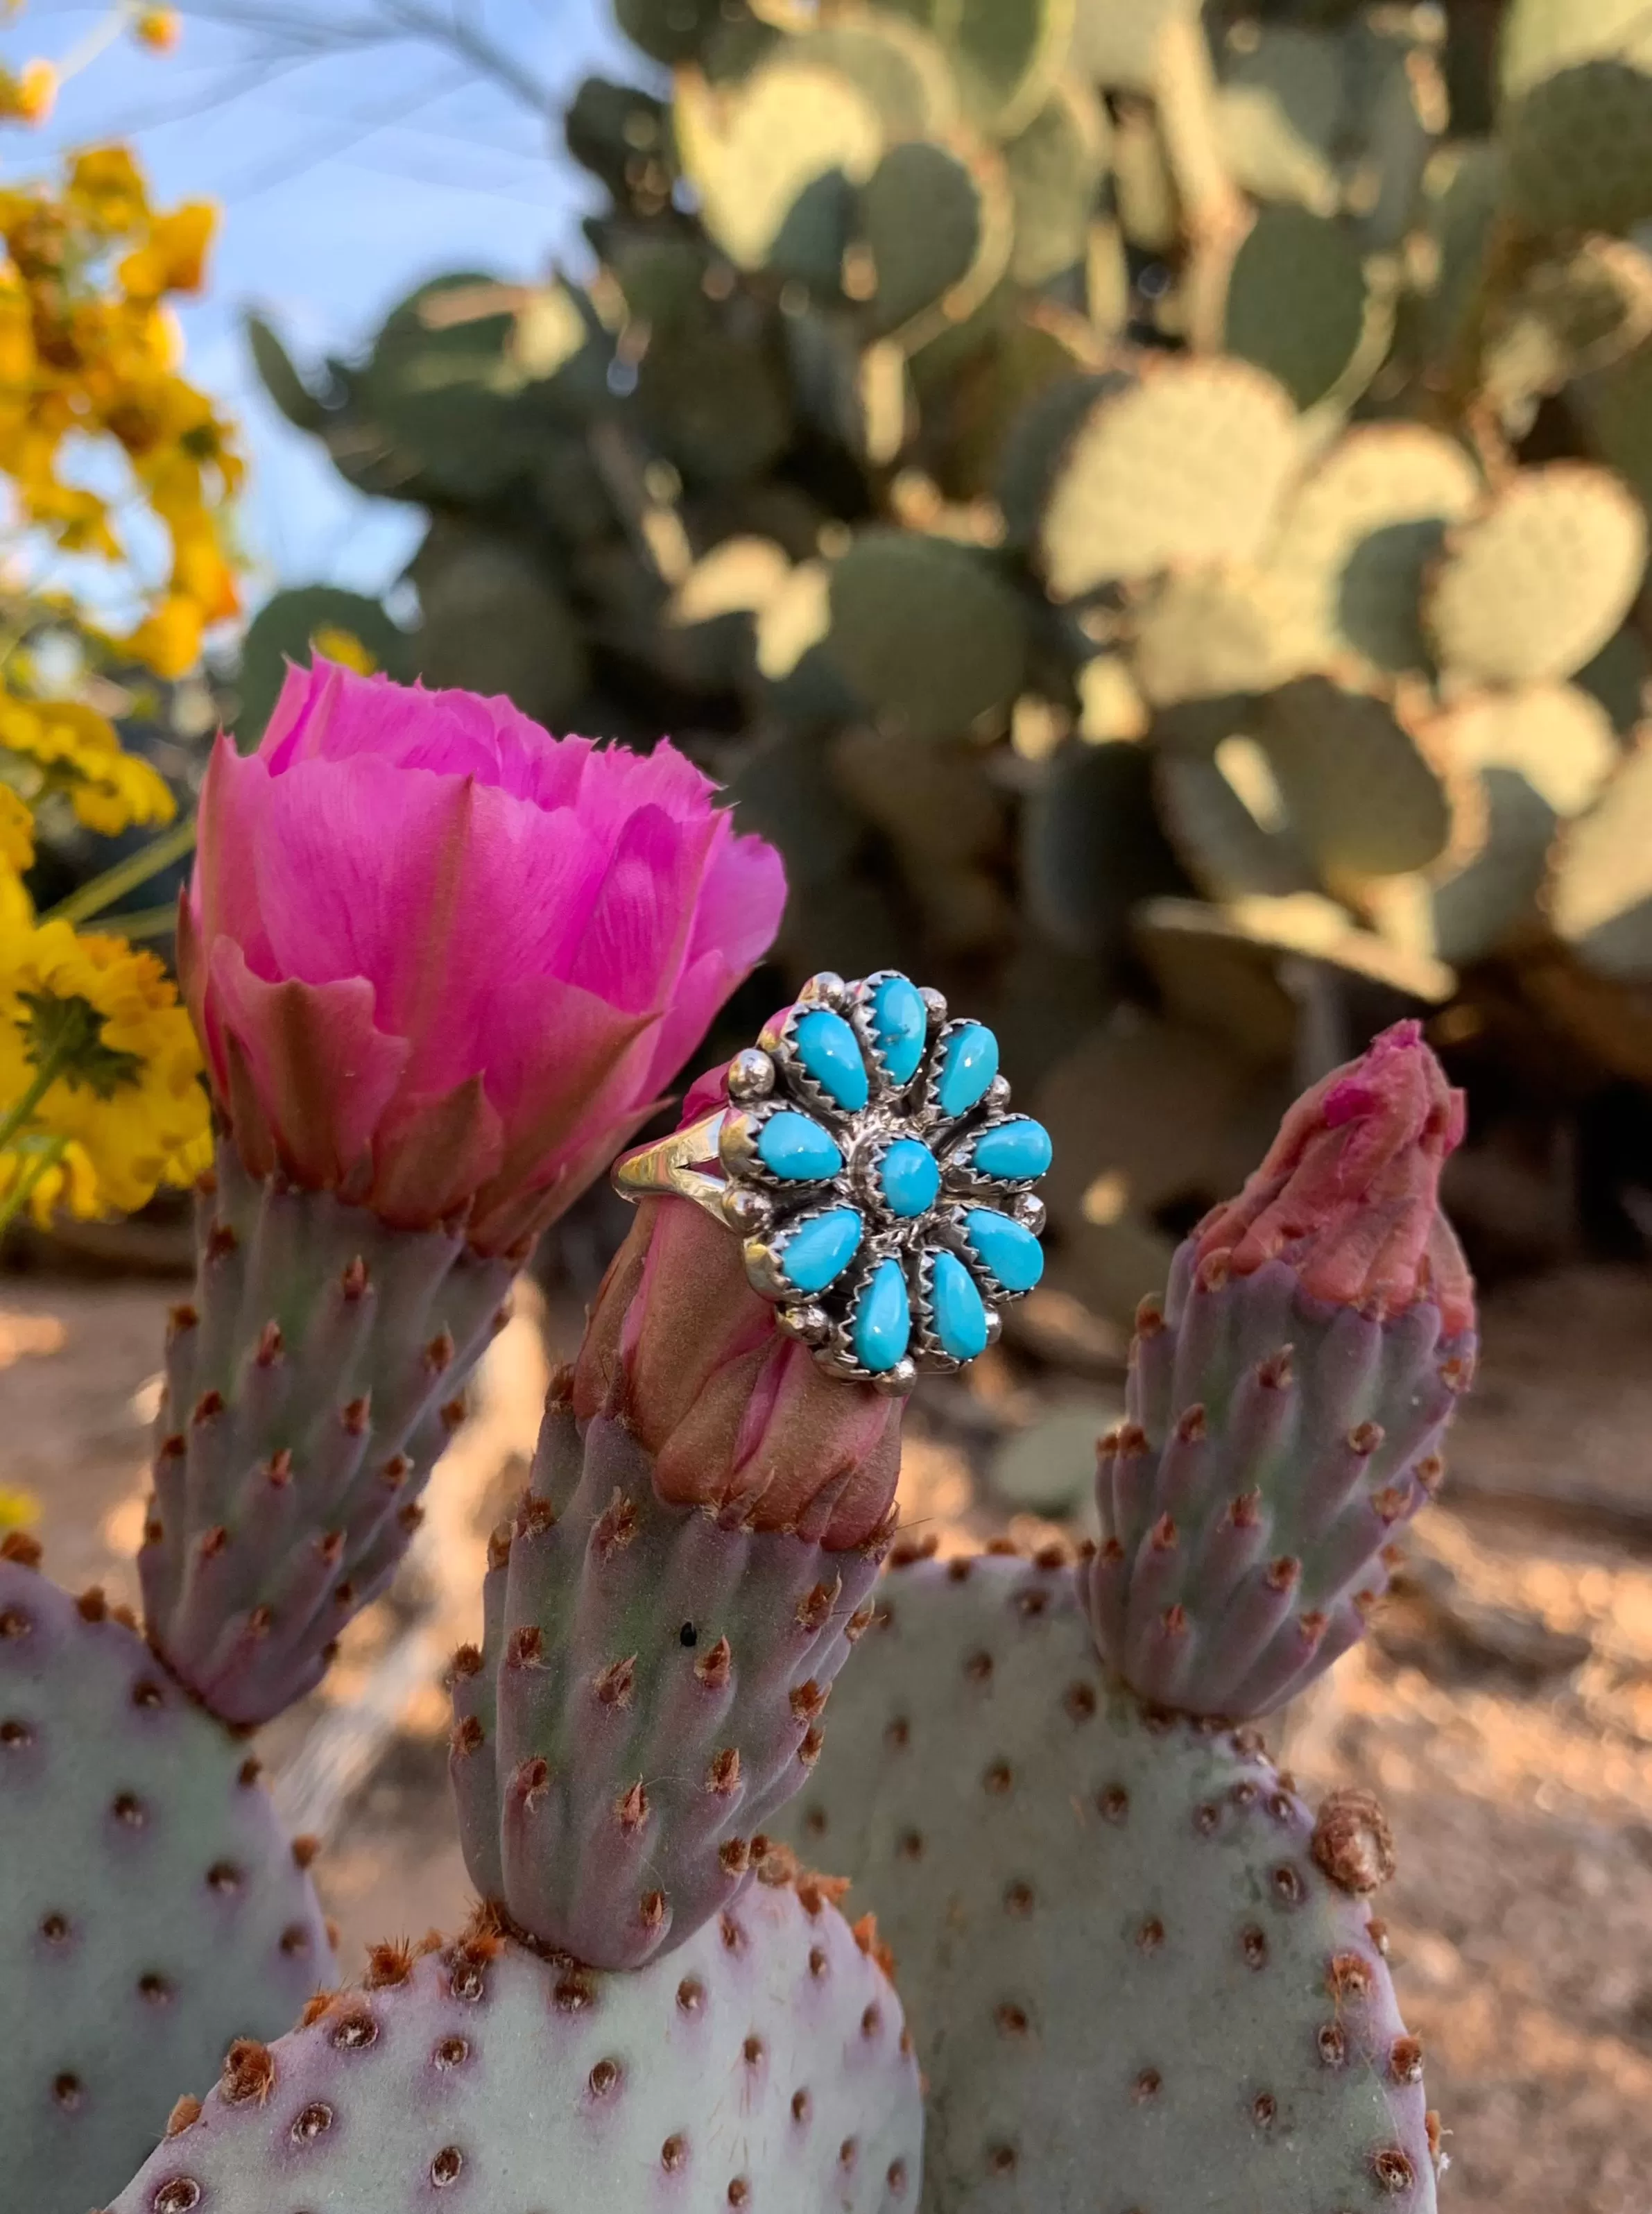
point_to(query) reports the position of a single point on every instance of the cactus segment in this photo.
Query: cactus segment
(1599, 896)
(1188, 464)
(1273, 1445)
(764, 2066)
(1300, 306)
(1056, 166)
(925, 633)
(1358, 788)
(1124, 1962)
(311, 1385)
(151, 1909)
(1359, 533)
(647, 1693)
(1535, 584)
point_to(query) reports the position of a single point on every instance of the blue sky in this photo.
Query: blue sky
(343, 183)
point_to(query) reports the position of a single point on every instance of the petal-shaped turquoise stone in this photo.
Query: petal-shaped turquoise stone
(821, 1248)
(899, 1023)
(883, 1319)
(830, 1051)
(970, 1064)
(1017, 1151)
(910, 1176)
(792, 1146)
(957, 1313)
(1007, 1250)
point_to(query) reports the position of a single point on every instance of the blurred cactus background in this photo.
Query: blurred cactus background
(1146, 506)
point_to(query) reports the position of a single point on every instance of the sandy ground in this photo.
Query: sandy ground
(1503, 1711)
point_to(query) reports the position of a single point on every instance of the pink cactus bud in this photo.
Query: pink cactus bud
(445, 963)
(1349, 1194)
(686, 1353)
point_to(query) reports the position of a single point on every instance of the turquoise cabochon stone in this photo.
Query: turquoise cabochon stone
(820, 1249)
(909, 1176)
(1005, 1248)
(957, 1313)
(792, 1146)
(883, 1319)
(830, 1051)
(969, 1064)
(1019, 1151)
(899, 1023)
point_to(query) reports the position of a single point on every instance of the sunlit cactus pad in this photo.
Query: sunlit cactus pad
(1132, 1982)
(150, 1910)
(763, 2067)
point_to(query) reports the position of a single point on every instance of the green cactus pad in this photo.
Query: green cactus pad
(1007, 53)
(287, 627)
(1121, 46)
(900, 68)
(925, 632)
(1091, 846)
(1188, 464)
(151, 1909)
(1359, 534)
(1599, 897)
(1278, 108)
(1491, 900)
(1206, 633)
(764, 2066)
(645, 1698)
(933, 225)
(970, 407)
(1535, 584)
(462, 405)
(1255, 932)
(1056, 165)
(280, 378)
(311, 1385)
(1360, 792)
(1148, 205)
(1300, 306)
(753, 149)
(668, 31)
(1226, 818)
(1273, 1445)
(1580, 149)
(1555, 737)
(495, 619)
(1130, 1981)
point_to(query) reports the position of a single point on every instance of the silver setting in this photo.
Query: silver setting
(716, 1162)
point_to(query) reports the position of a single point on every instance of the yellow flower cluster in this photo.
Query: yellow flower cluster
(89, 350)
(99, 1063)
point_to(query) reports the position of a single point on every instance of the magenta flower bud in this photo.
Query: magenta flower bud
(684, 1352)
(1349, 1194)
(1287, 1401)
(444, 964)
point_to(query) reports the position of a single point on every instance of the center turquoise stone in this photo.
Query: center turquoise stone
(909, 1178)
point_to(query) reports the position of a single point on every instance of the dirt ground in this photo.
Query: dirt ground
(1503, 1710)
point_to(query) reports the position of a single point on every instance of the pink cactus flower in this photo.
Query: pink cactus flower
(445, 964)
(683, 1351)
(1349, 1192)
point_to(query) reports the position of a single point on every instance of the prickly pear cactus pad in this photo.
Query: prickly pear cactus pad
(1138, 1975)
(151, 1909)
(648, 1692)
(764, 2067)
(312, 1384)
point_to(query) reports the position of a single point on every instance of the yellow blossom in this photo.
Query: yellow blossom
(173, 260)
(57, 1174)
(17, 831)
(28, 96)
(106, 188)
(158, 28)
(70, 748)
(17, 1508)
(168, 639)
(92, 1033)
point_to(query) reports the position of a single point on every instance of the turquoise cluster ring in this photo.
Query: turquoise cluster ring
(868, 1158)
